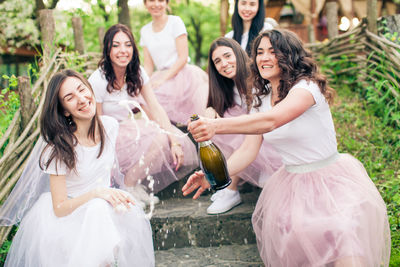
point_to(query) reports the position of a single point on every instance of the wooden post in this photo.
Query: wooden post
(332, 18)
(223, 16)
(372, 16)
(101, 32)
(123, 13)
(47, 27)
(27, 104)
(313, 25)
(78, 35)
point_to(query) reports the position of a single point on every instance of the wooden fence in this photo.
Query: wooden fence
(368, 57)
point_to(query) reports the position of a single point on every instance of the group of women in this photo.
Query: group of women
(96, 160)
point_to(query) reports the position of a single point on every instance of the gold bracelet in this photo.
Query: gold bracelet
(175, 144)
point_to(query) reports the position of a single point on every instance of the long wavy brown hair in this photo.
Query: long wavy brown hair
(221, 96)
(57, 130)
(295, 62)
(133, 76)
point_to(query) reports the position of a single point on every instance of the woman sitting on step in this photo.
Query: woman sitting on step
(321, 208)
(144, 150)
(81, 221)
(231, 96)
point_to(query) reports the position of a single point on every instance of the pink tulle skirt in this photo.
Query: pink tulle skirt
(322, 215)
(267, 162)
(183, 95)
(148, 159)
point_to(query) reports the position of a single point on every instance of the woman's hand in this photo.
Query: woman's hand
(114, 196)
(155, 83)
(177, 155)
(196, 180)
(202, 129)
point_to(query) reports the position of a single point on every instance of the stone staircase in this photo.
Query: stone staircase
(184, 235)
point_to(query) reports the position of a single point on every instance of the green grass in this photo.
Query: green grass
(377, 146)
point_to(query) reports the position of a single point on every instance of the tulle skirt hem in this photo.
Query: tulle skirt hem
(322, 217)
(92, 235)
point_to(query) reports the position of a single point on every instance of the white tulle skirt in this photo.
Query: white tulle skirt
(93, 235)
(322, 215)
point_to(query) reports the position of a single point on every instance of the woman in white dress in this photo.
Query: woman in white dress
(143, 149)
(248, 20)
(81, 221)
(320, 208)
(230, 96)
(181, 88)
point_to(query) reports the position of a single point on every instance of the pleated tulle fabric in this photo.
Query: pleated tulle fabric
(318, 218)
(93, 235)
(267, 162)
(150, 155)
(183, 95)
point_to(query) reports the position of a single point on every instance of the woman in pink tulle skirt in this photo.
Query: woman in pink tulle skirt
(230, 96)
(151, 152)
(180, 88)
(320, 208)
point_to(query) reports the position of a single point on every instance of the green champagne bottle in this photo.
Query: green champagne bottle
(213, 163)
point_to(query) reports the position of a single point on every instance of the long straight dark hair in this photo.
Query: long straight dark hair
(295, 62)
(221, 96)
(57, 130)
(133, 76)
(257, 24)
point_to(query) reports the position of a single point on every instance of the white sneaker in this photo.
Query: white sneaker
(139, 192)
(216, 194)
(224, 201)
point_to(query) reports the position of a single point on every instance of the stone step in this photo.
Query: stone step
(174, 190)
(184, 222)
(228, 255)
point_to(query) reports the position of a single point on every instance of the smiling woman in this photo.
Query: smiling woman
(144, 152)
(180, 88)
(248, 20)
(76, 157)
(321, 208)
(78, 100)
(231, 96)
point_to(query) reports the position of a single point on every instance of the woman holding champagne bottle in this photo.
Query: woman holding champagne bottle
(320, 208)
(230, 96)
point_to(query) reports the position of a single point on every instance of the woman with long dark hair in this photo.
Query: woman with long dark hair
(180, 88)
(320, 208)
(81, 221)
(248, 20)
(144, 151)
(230, 96)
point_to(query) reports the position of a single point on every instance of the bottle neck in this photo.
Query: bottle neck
(205, 143)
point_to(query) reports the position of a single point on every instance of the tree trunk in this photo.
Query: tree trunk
(123, 13)
(47, 27)
(313, 25)
(372, 16)
(332, 18)
(53, 4)
(39, 5)
(101, 32)
(224, 16)
(27, 104)
(78, 35)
